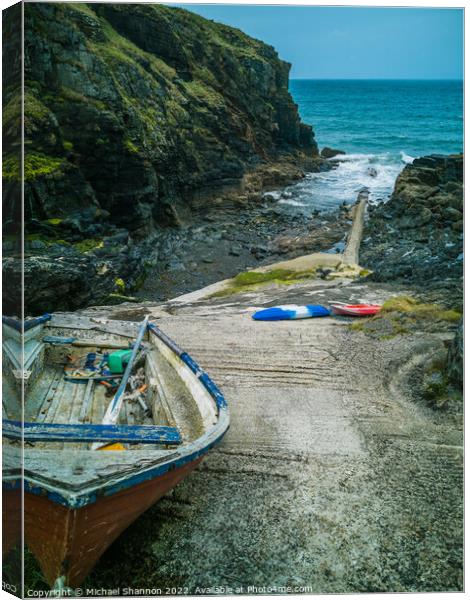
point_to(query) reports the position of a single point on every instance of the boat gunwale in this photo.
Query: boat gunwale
(27, 324)
(79, 495)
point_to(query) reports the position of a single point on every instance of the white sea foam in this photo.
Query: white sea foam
(292, 202)
(353, 157)
(327, 190)
(274, 195)
(406, 158)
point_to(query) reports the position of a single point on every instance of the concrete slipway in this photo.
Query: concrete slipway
(332, 477)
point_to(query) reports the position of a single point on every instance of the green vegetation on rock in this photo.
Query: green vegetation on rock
(250, 280)
(35, 165)
(413, 309)
(252, 277)
(88, 244)
(118, 298)
(404, 314)
(436, 386)
(120, 285)
(34, 109)
(131, 147)
(205, 93)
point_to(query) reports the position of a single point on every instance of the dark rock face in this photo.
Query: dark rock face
(130, 108)
(417, 236)
(132, 112)
(331, 152)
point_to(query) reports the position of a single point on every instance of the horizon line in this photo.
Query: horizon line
(376, 79)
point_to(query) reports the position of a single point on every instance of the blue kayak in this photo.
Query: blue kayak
(290, 311)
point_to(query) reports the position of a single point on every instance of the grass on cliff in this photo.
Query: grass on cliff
(404, 314)
(158, 76)
(66, 95)
(35, 165)
(11, 114)
(130, 146)
(205, 93)
(224, 36)
(118, 49)
(82, 8)
(34, 109)
(88, 244)
(251, 280)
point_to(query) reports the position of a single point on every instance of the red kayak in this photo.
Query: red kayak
(355, 310)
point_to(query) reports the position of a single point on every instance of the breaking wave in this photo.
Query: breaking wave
(405, 158)
(354, 172)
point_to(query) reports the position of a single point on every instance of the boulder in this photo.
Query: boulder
(410, 235)
(452, 214)
(330, 152)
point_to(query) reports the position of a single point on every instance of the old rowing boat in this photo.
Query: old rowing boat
(78, 496)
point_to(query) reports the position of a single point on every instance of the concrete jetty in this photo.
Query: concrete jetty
(341, 265)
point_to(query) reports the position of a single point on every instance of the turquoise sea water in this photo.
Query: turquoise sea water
(380, 124)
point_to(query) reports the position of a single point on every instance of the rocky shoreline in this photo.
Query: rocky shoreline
(222, 232)
(223, 241)
(416, 238)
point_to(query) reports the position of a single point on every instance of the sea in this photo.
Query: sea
(381, 125)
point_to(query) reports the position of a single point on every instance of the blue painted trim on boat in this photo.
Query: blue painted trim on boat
(30, 323)
(195, 368)
(191, 363)
(26, 325)
(161, 470)
(213, 390)
(84, 498)
(56, 340)
(89, 432)
(56, 497)
(165, 339)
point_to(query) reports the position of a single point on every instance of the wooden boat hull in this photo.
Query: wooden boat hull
(11, 519)
(77, 499)
(69, 542)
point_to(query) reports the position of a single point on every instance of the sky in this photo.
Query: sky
(354, 43)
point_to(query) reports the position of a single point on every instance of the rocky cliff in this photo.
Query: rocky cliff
(417, 236)
(133, 111)
(131, 108)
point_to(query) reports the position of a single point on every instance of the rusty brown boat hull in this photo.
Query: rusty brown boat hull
(68, 542)
(11, 520)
